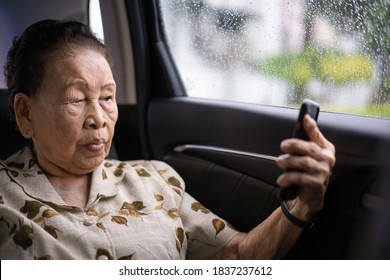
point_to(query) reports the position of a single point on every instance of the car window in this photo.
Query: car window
(95, 19)
(108, 20)
(278, 52)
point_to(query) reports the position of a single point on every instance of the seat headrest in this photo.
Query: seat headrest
(11, 139)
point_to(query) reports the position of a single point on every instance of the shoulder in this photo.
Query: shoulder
(155, 166)
(151, 169)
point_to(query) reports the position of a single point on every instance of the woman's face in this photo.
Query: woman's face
(74, 113)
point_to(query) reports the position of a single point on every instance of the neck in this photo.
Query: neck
(73, 190)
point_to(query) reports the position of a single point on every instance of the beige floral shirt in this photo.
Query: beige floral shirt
(136, 210)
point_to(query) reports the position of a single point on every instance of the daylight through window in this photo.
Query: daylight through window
(278, 52)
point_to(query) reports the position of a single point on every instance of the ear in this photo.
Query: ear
(22, 107)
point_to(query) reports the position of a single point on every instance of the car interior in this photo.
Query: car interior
(225, 151)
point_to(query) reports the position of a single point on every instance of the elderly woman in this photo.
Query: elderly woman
(60, 198)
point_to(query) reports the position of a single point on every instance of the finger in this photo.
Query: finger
(315, 134)
(328, 149)
(304, 180)
(329, 156)
(305, 148)
(304, 164)
(301, 147)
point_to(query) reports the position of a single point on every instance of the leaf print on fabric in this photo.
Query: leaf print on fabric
(43, 258)
(49, 213)
(129, 257)
(131, 212)
(119, 220)
(162, 171)
(51, 230)
(174, 213)
(175, 185)
(104, 175)
(124, 212)
(218, 225)
(31, 208)
(173, 181)
(159, 197)
(92, 212)
(159, 207)
(23, 236)
(142, 172)
(103, 252)
(178, 247)
(197, 206)
(14, 173)
(101, 226)
(180, 238)
(38, 220)
(118, 172)
(135, 205)
(31, 163)
(108, 164)
(138, 205)
(104, 215)
(177, 191)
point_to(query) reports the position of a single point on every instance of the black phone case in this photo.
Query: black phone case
(313, 109)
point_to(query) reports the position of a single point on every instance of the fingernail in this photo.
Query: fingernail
(280, 161)
(281, 157)
(285, 144)
(311, 122)
(280, 181)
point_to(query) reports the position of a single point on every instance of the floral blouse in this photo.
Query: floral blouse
(135, 210)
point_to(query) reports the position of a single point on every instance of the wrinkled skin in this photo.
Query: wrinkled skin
(72, 117)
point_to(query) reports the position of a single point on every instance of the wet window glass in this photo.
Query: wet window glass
(278, 52)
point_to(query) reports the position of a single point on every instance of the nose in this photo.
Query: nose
(95, 117)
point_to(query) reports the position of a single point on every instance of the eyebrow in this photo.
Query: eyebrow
(108, 84)
(74, 82)
(85, 84)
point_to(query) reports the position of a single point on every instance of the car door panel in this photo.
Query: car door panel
(229, 193)
(226, 154)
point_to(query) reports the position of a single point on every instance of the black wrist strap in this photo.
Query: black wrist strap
(298, 222)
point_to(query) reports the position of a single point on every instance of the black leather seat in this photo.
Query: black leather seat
(11, 139)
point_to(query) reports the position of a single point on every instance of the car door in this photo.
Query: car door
(225, 150)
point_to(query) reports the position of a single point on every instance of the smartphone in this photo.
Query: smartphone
(313, 109)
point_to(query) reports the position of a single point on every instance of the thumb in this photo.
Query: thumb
(315, 135)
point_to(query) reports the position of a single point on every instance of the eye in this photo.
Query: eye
(108, 98)
(78, 101)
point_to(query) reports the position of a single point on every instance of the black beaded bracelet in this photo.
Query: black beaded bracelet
(298, 222)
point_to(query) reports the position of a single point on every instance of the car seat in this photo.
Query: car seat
(11, 139)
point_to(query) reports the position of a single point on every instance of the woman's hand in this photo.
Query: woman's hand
(275, 236)
(315, 160)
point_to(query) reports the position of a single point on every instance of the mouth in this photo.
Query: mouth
(95, 146)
